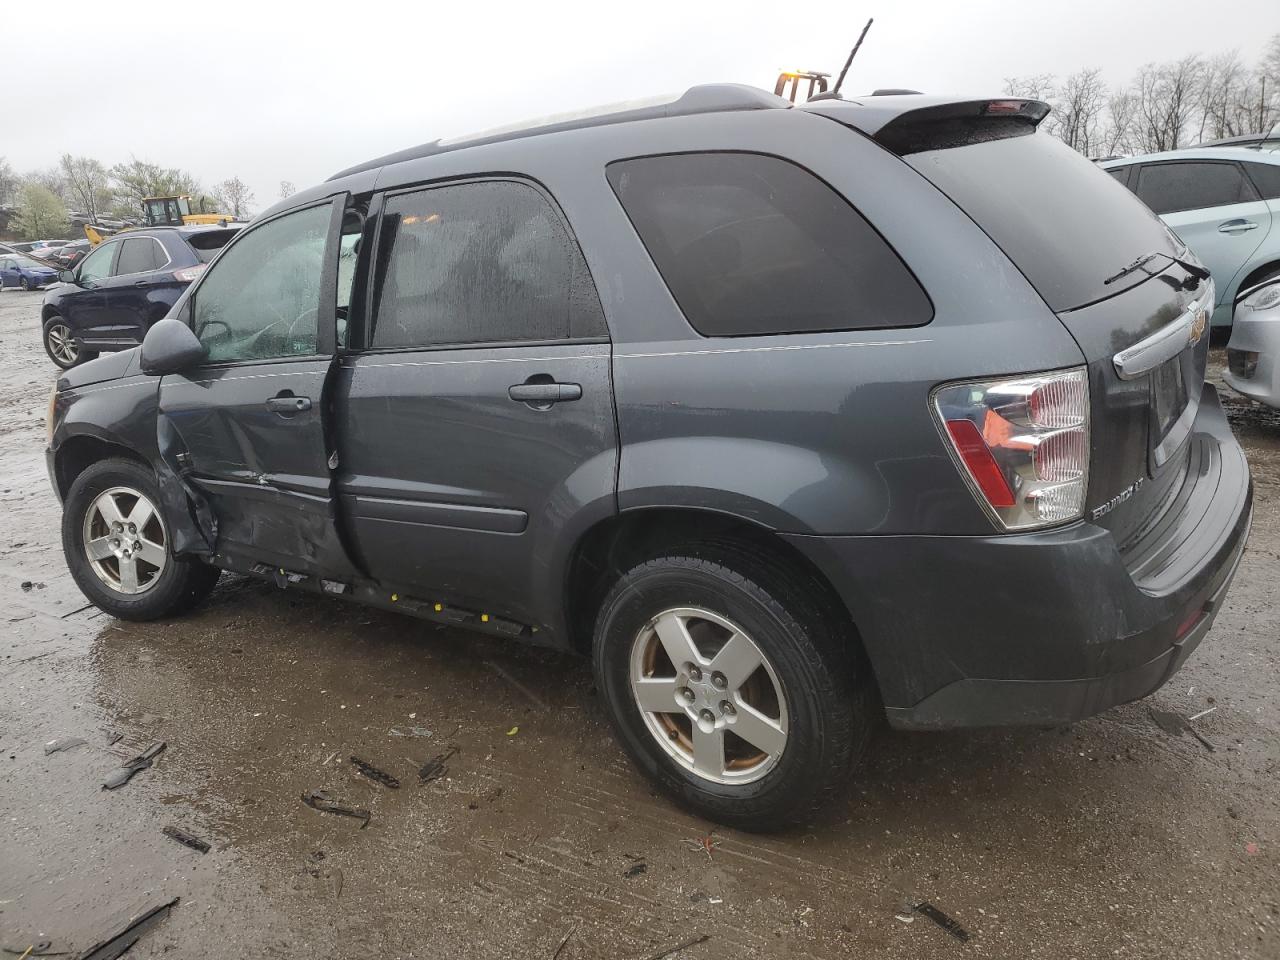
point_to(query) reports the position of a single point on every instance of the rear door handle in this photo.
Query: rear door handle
(1237, 226)
(544, 393)
(287, 404)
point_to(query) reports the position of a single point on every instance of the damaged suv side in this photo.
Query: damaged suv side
(789, 417)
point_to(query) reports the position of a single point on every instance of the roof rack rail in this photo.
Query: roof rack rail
(704, 98)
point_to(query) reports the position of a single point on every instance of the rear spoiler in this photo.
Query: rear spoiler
(911, 124)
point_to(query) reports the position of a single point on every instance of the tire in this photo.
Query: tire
(821, 692)
(60, 344)
(166, 585)
(25, 284)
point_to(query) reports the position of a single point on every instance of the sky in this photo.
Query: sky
(275, 90)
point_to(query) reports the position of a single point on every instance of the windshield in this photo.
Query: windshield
(28, 263)
(1067, 225)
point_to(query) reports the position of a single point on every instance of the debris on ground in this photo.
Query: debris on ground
(63, 743)
(122, 775)
(114, 737)
(1175, 724)
(409, 732)
(325, 802)
(635, 869)
(119, 942)
(28, 586)
(38, 948)
(436, 767)
(671, 951)
(333, 875)
(513, 731)
(705, 844)
(927, 909)
(563, 940)
(374, 774)
(186, 839)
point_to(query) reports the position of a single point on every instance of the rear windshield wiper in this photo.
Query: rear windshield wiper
(1194, 269)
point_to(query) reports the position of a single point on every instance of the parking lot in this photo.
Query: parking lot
(1107, 838)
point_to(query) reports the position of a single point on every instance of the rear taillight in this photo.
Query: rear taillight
(187, 274)
(1022, 443)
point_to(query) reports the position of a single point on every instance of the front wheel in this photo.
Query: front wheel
(25, 284)
(117, 545)
(60, 344)
(729, 684)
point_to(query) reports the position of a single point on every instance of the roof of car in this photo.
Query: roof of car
(1199, 153)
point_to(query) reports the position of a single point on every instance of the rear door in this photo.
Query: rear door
(247, 427)
(1214, 208)
(475, 415)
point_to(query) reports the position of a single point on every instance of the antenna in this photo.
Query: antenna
(835, 91)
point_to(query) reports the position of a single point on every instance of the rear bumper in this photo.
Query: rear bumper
(1048, 627)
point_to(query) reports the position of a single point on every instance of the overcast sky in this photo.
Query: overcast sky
(274, 90)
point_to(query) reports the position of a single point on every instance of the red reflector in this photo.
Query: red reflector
(1188, 622)
(977, 457)
(1005, 106)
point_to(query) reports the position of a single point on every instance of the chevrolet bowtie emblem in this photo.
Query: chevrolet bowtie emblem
(1198, 323)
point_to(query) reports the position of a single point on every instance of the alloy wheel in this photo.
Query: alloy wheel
(62, 344)
(709, 696)
(125, 540)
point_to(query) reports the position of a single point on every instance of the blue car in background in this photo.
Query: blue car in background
(19, 271)
(1223, 203)
(111, 299)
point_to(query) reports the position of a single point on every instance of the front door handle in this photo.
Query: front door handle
(544, 394)
(1237, 226)
(142, 283)
(286, 404)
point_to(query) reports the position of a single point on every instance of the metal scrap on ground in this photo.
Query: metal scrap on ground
(436, 767)
(670, 951)
(122, 775)
(325, 802)
(374, 774)
(119, 942)
(186, 839)
(1175, 724)
(927, 909)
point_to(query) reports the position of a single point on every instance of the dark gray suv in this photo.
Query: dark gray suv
(791, 418)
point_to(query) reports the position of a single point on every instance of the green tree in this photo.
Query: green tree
(8, 184)
(41, 215)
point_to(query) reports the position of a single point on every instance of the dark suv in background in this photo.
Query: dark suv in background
(114, 294)
(791, 418)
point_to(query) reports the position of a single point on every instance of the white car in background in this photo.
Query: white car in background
(1253, 353)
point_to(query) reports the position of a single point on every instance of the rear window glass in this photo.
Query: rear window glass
(207, 243)
(1183, 185)
(753, 245)
(1266, 177)
(1067, 225)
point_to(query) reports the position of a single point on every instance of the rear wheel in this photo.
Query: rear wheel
(731, 686)
(117, 545)
(60, 344)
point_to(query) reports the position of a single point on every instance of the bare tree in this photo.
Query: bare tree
(87, 183)
(287, 189)
(1167, 96)
(1042, 86)
(8, 184)
(235, 196)
(1079, 111)
(1122, 112)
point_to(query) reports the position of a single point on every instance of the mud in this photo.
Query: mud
(1107, 838)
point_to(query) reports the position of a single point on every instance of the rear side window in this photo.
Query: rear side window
(750, 244)
(1266, 177)
(207, 243)
(1120, 173)
(1188, 185)
(482, 262)
(139, 255)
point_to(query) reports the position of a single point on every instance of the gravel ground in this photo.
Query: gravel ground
(1105, 838)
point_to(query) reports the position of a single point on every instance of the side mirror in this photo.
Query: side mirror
(67, 276)
(170, 347)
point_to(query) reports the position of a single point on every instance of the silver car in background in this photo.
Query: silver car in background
(1253, 353)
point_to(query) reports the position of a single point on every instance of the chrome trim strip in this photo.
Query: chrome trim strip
(1166, 343)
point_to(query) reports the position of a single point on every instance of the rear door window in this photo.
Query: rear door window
(482, 262)
(1172, 186)
(139, 255)
(753, 245)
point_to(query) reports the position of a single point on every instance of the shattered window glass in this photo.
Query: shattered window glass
(262, 298)
(489, 261)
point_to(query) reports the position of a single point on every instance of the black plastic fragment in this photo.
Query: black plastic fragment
(927, 909)
(635, 869)
(122, 775)
(186, 839)
(436, 767)
(325, 802)
(374, 774)
(116, 944)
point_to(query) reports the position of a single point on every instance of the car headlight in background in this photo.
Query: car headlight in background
(1261, 298)
(1022, 443)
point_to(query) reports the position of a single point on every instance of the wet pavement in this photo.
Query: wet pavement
(1109, 837)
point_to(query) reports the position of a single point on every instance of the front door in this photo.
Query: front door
(475, 417)
(1213, 207)
(127, 308)
(249, 421)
